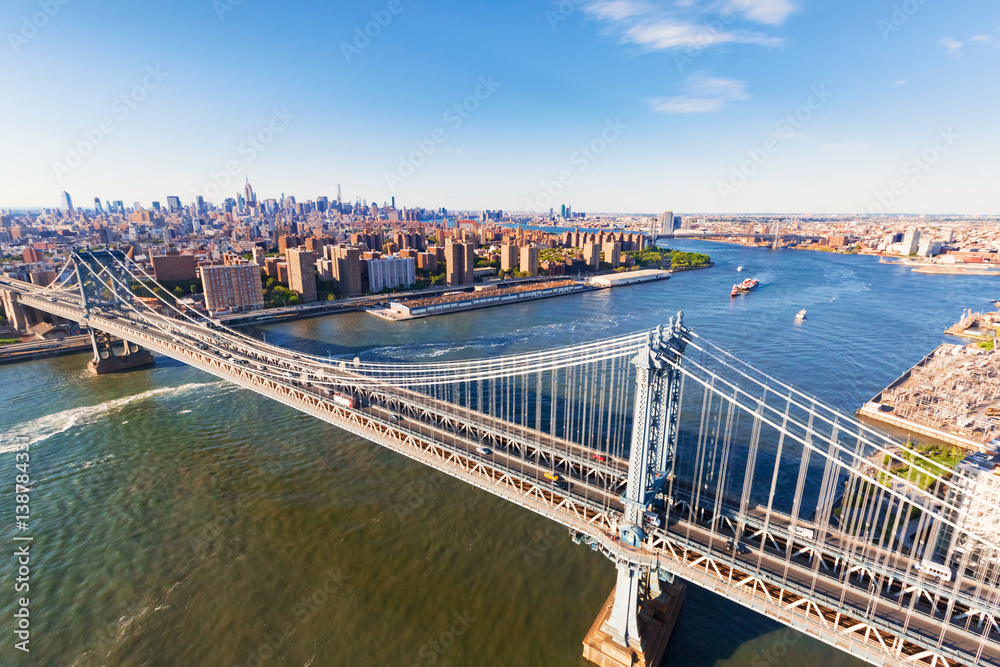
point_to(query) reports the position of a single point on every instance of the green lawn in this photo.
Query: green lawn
(943, 459)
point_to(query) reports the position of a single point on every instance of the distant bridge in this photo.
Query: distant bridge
(758, 237)
(660, 450)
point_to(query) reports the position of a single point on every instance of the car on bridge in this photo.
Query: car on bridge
(485, 451)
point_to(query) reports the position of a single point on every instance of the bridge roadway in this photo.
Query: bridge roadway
(798, 595)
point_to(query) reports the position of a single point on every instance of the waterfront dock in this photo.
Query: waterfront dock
(40, 349)
(950, 396)
(481, 298)
(486, 296)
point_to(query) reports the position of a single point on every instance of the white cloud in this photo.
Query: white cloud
(980, 38)
(763, 11)
(685, 24)
(951, 46)
(666, 34)
(900, 82)
(617, 10)
(702, 94)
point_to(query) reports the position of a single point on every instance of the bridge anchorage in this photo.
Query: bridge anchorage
(662, 451)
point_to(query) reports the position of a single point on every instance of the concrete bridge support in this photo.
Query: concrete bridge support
(107, 360)
(16, 314)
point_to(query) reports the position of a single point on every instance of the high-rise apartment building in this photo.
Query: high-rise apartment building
(391, 272)
(460, 261)
(259, 255)
(529, 260)
(592, 256)
(508, 257)
(613, 253)
(66, 203)
(234, 287)
(346, 268)
(173, 266)
(301, 273)
(911, 242)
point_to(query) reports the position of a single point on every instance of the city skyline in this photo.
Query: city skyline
(779, 106)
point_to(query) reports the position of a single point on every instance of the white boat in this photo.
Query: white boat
(739, 268)
(801, 315)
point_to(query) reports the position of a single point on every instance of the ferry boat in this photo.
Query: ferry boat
(801, 315)
(739, 268)
(744, 287)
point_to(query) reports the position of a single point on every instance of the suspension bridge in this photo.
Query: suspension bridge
(658, 449)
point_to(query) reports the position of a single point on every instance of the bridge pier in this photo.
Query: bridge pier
(107, 361)
(17, 315)
(655, 618)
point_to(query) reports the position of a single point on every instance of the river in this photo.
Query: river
(178, 520)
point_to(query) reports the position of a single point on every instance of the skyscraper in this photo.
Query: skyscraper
(67, 202)
(911, 242)
(173, 203)
(251, 198)
(97, 206)
(666, 225)
(301, 273)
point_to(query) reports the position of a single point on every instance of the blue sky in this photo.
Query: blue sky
(807, 106)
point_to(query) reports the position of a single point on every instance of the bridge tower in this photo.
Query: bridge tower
(102, 277)
(641, 638)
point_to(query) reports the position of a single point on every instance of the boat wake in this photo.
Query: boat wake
(43, 428)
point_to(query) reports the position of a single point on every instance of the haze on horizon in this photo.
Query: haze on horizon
(724, 106)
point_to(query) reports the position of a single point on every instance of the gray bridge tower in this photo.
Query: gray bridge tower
(654, 439)
(103, 282)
